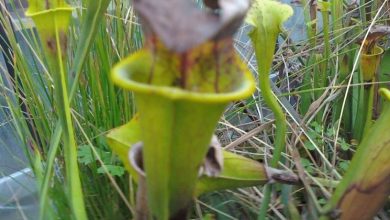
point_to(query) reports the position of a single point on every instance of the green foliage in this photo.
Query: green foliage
(368, 172)
(334, 101)
(344, 165)
(52, 23)
(86, 155)
(344, 145)
(227, 206)
(112, 169)
(91, 102)
(308, 165)
(322, 137)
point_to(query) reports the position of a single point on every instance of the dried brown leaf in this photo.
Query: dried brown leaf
(181, 25)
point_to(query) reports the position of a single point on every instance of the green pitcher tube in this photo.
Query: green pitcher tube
(369, 63)
(365, 187)
(176, 128)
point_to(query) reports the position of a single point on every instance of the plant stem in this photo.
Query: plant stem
(264, 37)
(310, 20)
(265, 202)
(281, 128)
(70, 146)
(95, 10)
(321, 81)
(369, 102)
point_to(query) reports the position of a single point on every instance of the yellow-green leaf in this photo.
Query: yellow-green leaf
(266, 17)
(366, 185)
(121, 139)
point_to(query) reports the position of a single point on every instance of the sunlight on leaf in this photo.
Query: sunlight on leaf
(385, 93)
(36, 6)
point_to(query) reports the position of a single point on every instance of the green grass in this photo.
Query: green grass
(93, 97)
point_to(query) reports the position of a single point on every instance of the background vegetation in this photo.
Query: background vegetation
(317, 80)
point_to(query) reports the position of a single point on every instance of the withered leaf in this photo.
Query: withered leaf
(376, 33)
(213, 162)
(213, 4)
(181, 25)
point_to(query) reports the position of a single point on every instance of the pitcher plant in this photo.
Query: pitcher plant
(182, 80)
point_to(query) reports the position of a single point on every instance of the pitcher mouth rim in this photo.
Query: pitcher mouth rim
(380, 52)
(120, 77)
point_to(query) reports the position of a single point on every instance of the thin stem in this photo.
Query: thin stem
(93, 19)
(369, 102)
(265, 202)
(281, 128)
(70, 147)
